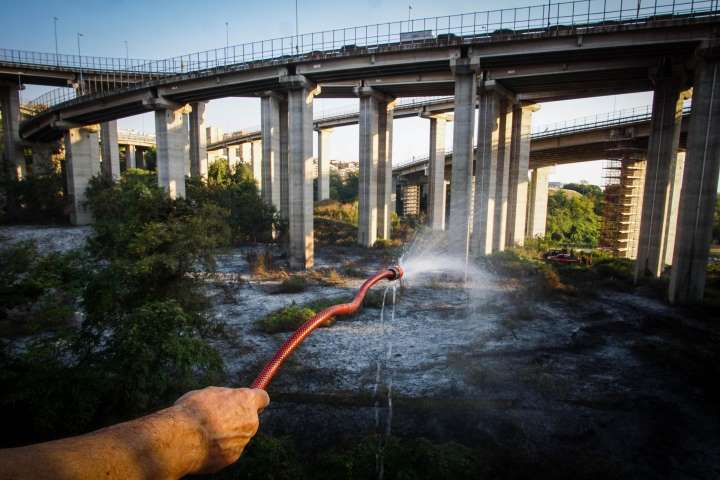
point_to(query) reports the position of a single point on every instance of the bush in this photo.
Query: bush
(382, 243)
(292, 284)
(287, 319)
(572, 220)
(36, 199)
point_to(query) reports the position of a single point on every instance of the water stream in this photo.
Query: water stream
(384, 375)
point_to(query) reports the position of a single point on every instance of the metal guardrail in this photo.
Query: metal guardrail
(132, 135)
(627, 116)
(60, 61)
(548, 19)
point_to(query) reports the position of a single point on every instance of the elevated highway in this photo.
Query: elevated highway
(498, 63)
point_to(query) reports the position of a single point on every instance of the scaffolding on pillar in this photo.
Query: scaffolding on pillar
(623, 180)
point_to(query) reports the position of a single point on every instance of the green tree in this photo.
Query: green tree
(593, 192)
(344, 189)
(572, 220)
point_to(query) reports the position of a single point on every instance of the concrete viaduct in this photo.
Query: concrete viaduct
(497, 65)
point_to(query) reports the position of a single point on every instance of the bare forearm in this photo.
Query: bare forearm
(167, 444)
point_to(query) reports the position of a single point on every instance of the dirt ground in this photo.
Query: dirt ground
(614, 385)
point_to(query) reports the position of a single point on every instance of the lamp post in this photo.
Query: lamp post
(57, 55)
(82, 86)
(297, 30)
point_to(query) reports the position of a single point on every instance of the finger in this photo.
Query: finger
(261, 398)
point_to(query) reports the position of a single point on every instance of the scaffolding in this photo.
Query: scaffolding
(623, 179)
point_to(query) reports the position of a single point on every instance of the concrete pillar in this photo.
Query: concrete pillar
(462, 167)
(323, 160)
(502, 179)
(373, 143)
(518, 174)
(42, 158)
(246, 153)
(300, 171)
(662, 149)
(699, 186)
(130, 157)
(198, 141)
(436, 173)
(270, 132)
(284, 145)
(537, 202)
(82, 157)
(172, 146)
(671, 228)
(384, 172)
(488, 135)
(256, 160)
(13, 151)
(110, 150)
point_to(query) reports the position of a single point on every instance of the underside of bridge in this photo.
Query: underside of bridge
(496, 80)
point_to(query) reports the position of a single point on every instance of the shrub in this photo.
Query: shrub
(382, 243)
(35, 199)
(287, 319)
(292, 284)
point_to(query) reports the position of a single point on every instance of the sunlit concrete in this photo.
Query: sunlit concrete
(82, 156)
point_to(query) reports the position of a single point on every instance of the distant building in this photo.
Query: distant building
(343, 168)
(555, 184)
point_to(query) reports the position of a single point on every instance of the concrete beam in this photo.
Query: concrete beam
(671, 229)
(323, 181)
(82, 156)
(462, 171)
(503, 174)
(270, 129)
(198, 141)
(699, 187)
(300, 173)
(371, 107)
(13, 151)
(537, 202)
(172, 147)
(436, 173)
(384, 172)
(486, 166)
(110, 151)
(518, 175)
(662, 150)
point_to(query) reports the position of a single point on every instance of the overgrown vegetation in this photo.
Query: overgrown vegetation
(124, 329)
(34, 199)
(344, 189)
(572, 220)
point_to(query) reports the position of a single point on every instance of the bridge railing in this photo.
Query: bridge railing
(502, 24)
(61, 61)
(622, 117)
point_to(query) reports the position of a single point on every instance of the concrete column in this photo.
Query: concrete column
(373, 143)
(662, 149)
(300, 171)
(130, 157)
(246, 153)
(502, 179)
(323, 163)
(82, 156)
(284, 145)
(486, 165)
(384, 173)
(674, 207)
(436, 173)
(270, 132)
(699, 186)
(172, 146)
(13, 151)
(256, 160)
(233, 154)
(462, 166)
(110, 151)
(537, 202)
(198, 141)
(42, 158)
(518, 174)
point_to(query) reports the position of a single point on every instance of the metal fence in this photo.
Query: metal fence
(61, 61)
(548, 19)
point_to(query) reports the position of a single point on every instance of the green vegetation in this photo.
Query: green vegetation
(593, 192)
(286, 319)
(716, 225)
(292, 284)
(35, 199)
(336, 223)
(124, 327)
(572, 220)
(345, 189)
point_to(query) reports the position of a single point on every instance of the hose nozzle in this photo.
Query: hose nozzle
(397, 271)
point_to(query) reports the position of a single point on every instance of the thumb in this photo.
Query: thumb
(260, 399)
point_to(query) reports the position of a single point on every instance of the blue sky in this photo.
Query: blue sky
(165, 28)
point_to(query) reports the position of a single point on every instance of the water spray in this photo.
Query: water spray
(299, 336)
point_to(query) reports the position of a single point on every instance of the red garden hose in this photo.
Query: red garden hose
(271, 368)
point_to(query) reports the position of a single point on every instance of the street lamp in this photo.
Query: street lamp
(82, 88)
(227, 34)
(57, 56)
(297, 30)
(127, 55)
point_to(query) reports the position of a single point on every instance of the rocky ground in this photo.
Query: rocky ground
(612, 383)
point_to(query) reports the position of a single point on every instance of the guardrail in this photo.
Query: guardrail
(503, 24)
(59, 61)
(626, 116)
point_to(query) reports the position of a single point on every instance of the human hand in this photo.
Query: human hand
(228, 418)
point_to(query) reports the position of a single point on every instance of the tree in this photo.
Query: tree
(571, 220)
(344, 189)
(593, 192)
